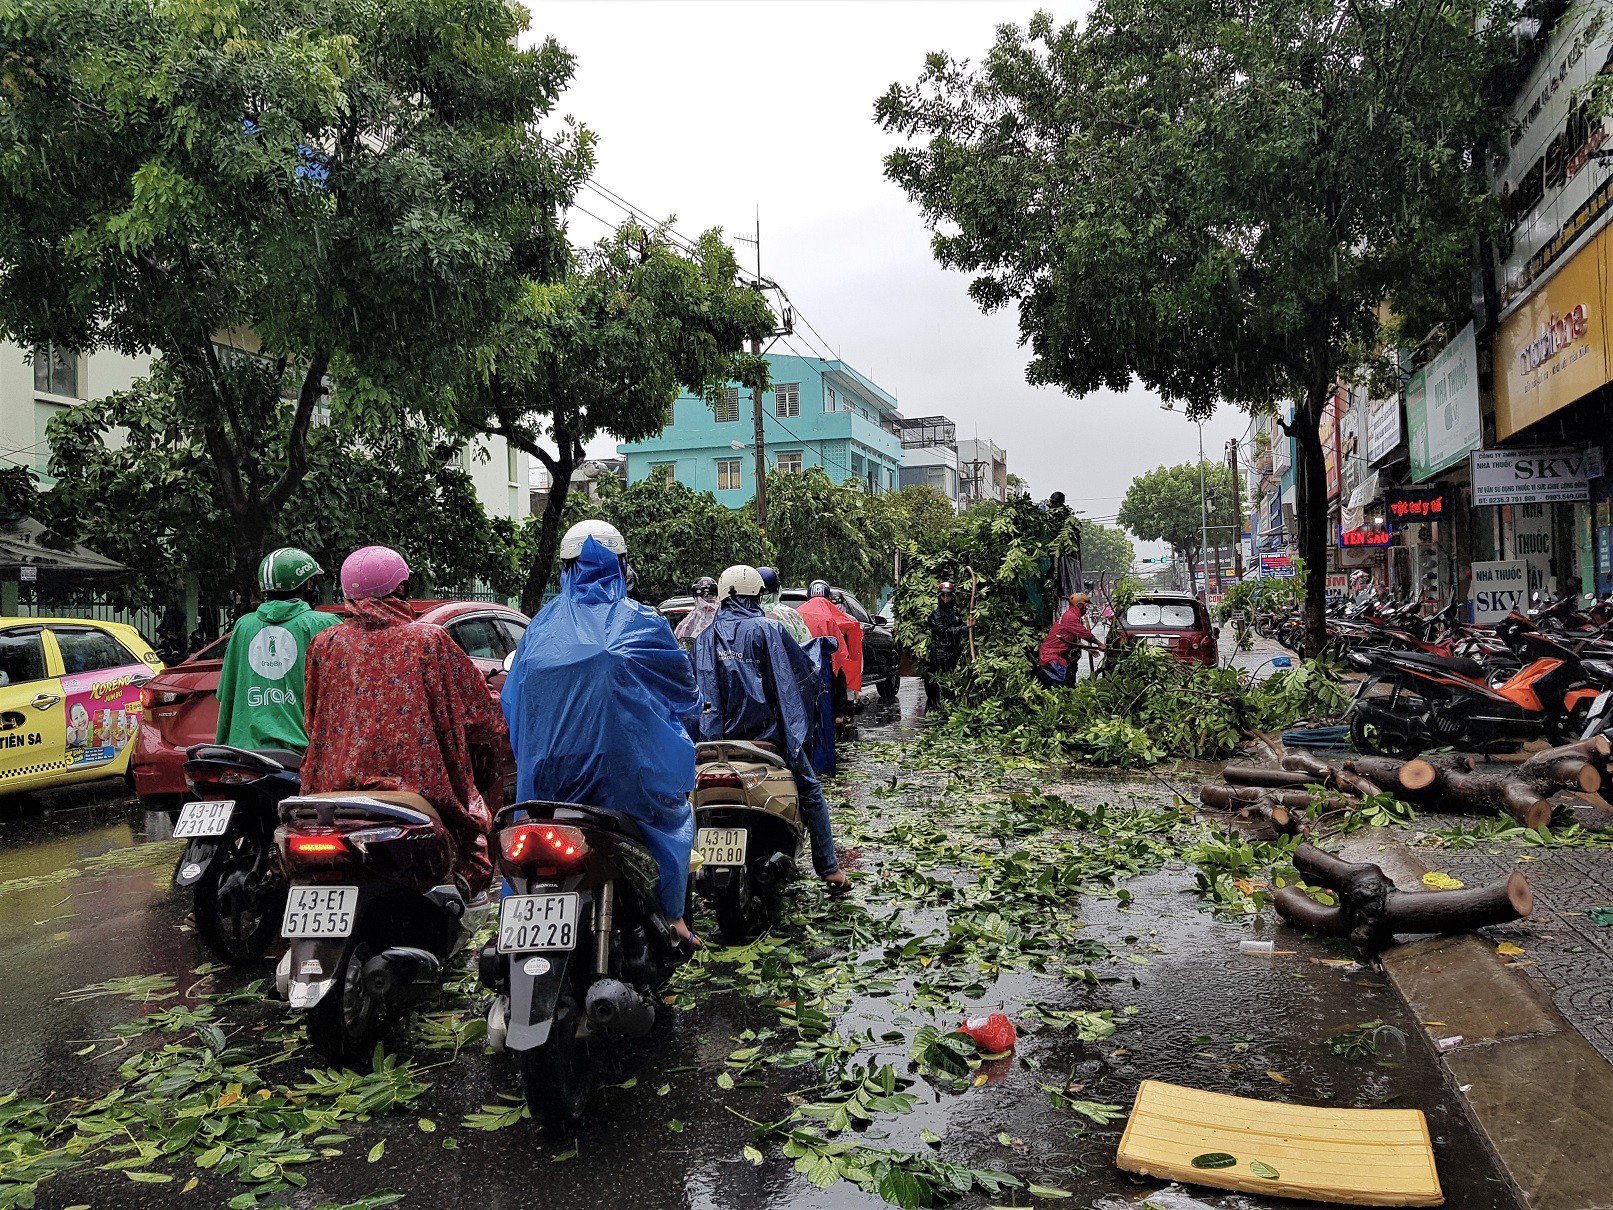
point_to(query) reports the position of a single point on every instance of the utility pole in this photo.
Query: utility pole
(1237, 511)
(1204, 521)
(756, 406)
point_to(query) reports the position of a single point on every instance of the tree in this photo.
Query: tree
(274, 196)
(1105, 551)
(149, 501)
(921, 514)
(674, 534)
(1164, 505)
(606, 347)
(1216, 200)
(844, 533)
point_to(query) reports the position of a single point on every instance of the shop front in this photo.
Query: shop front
(1444, 424)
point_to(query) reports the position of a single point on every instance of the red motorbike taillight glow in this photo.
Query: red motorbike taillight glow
(316, 848)
(718, 781)
(545, 844)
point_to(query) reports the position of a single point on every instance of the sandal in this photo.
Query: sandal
(837, 890)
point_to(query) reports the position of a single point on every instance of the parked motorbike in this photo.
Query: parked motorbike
(373, 913)
(230, 865)
(747, 831)
(1415, 700)
(583, 951)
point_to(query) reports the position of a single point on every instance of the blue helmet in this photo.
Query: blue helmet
(820, 588)
(770, 580)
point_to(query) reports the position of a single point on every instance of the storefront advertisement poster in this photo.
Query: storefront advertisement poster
(1384, 429)
(1538, 476)
(103, 712)
(1442, 408)
(1497, 589)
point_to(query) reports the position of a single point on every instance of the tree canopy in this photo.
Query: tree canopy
(1216, 201)
(844, 533)
(1105, 550)
(274, 197)
(1164, 505)
(606, 346)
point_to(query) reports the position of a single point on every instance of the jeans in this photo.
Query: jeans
(815, 814)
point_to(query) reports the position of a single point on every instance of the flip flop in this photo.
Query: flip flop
(837, 890)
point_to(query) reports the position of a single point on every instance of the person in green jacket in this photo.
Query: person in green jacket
(261, 690)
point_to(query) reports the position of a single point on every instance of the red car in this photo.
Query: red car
(1175, 621)
(181, 703)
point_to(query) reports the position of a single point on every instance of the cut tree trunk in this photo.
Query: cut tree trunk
(1328, 775)
(1282, 779)
(1371, 910)
(1281, 810)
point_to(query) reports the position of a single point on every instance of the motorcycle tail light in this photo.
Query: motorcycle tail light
(543, 845)
(729, 779)
(316, 848)
(202, 780)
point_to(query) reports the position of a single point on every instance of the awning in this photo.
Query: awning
(28, 552)
(1365, 492)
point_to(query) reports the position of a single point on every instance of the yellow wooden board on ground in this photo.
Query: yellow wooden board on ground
(1351, 1157)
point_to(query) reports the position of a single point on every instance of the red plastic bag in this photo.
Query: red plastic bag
(993, 1034)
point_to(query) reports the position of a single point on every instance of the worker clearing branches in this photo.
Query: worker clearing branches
(1059, 657)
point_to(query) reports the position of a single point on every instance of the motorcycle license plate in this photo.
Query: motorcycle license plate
(320, 911)
(721, 846)
(203, 819)
(537, 922)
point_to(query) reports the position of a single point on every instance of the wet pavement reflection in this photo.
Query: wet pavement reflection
(84, 897)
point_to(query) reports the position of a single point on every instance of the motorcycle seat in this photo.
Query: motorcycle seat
(284, 757)
(267, 759)
(600, 817)
(1459, 664)
(391, 798)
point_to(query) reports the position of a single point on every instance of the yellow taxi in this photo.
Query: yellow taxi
(69, 700)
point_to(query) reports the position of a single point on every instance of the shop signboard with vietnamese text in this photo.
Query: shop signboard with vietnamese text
(1277, 566)
(1555, 190)
(1497, 589)
(1404, 504)
(1552, 350)
(1538, 476)
(1442, 408)
(1384, 430)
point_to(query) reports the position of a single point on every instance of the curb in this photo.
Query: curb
(1537, 1090)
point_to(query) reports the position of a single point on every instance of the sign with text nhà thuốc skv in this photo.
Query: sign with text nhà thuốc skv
(1497, 589)
(1539, 476)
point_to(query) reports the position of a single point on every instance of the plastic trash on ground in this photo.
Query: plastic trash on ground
(1353, 1157)
(993, 1034)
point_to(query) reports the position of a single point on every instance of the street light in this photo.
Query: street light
(1204, 506)
(738, 445)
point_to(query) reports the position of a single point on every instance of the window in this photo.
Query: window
(478, 638)
(727, 474)
(787, 399)
(857, 466)
(1176, 617)
(727, 405)
(512, 463)
(22, 657)
(512, 631)
(85, 650)
(789, 463)
(55, 371)
(44, 411)
(852, 606)
(828, 399)
(664, 470)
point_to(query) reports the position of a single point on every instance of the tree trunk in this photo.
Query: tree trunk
(568, 452)
(1310, 516)
(1283, 779)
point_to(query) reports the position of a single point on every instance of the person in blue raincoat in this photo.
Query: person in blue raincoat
(595, 700)
(760, 684)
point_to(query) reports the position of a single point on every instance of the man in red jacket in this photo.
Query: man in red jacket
(1060, 655)
(825, 619)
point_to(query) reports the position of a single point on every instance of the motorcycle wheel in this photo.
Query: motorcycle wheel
(740, 912)
(346, 1024)
(237, 913)
(1371, 740)
(559, 1076)
(1567, 728)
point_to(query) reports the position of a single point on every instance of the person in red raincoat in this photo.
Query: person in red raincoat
(825, 619)
(394, 704)
(1060, 655)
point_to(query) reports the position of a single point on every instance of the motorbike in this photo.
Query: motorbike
(582, 951)
(747, 831)
(230, 864)
(373, 912)
(1412, 701)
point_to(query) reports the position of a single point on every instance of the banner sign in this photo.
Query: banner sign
(1442, 408)
(1277, 566)
(1416, 504)
(1384, 429)
(1497, 589)
(1548, 476)
(1350, 539)
(1555, 190)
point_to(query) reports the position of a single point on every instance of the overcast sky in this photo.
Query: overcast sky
(709, 109)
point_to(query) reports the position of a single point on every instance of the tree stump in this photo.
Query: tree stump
(1371, 910)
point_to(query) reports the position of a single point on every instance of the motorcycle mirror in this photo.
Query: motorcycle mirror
(509, 661)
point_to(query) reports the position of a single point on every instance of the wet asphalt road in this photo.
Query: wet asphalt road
(1205, 1015)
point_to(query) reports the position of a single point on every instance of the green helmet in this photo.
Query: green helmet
(286, 570)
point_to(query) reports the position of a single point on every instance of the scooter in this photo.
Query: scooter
(582, 951)
(374, 912)
(747, 831)
(1414, 700)
(230, 864)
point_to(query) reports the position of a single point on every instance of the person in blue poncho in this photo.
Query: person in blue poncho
(758, 683)
(595, 700)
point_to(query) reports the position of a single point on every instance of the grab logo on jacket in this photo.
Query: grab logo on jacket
(272, 652)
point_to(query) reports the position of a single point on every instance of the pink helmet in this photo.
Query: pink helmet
(372, 571)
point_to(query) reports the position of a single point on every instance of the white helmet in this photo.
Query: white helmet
(740, 580)
(603, 532)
